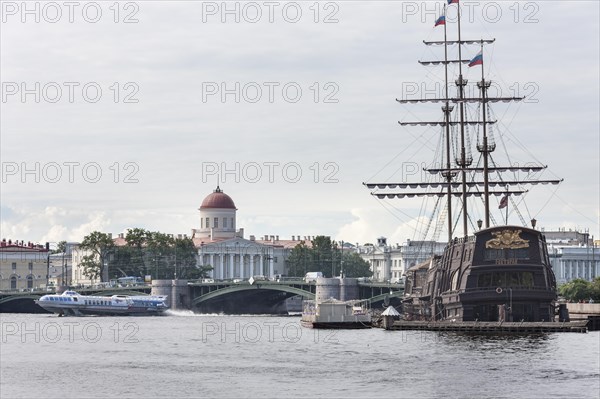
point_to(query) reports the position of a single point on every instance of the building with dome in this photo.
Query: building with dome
(223, 246)
(217, 216)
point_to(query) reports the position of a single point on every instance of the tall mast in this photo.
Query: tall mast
(486, 149)
(451, 186)
(447, 110)
(463, 156)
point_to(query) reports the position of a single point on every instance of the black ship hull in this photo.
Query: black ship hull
(499, 274)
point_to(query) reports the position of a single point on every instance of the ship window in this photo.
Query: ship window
(507, 253)
(505, 279)
(455, 280)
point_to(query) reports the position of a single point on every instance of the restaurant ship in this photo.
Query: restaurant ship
(496, 271)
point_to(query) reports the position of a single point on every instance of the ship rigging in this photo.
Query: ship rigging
(500, 272)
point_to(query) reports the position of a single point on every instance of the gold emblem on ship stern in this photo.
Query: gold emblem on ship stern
(507, 239)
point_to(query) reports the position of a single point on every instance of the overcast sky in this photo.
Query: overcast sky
(118, 117)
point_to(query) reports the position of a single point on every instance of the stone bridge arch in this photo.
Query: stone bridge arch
(239, 288)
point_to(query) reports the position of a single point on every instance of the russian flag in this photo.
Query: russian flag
(477, 60)
(503, 202)
(440, 21)
(452, 2)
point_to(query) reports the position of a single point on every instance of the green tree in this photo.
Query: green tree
(60, 248)
(137, 239)
(101, 246)
(125, 262)
(299, 260)
(355, 266)
(185, 260)
(595, 289)
(323, 256)
(576, 290)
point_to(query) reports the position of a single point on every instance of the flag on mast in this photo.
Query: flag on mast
(503, 202)
(440, 21)
(477, 60)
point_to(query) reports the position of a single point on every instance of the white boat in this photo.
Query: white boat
(336, 314)
(72, 303)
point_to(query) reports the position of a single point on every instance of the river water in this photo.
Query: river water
(213, 356)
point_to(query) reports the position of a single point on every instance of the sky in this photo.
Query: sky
(122, 115)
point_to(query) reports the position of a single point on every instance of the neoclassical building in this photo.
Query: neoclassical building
(573, 254)
(223, 246)
(390, 262)
(23, 266)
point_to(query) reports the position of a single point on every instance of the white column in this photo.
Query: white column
(231, 275)
(271, 274)
(252, 266)
(242, 266)
(262, 264)
(222, 266)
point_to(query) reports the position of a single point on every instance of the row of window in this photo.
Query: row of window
(505, 279)
(96, 302)
(62, 299)
(14, 266)
(205, 223)
(506, 253)
(13, 282)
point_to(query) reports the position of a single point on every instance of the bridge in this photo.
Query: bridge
(270, 296)
(222, 296)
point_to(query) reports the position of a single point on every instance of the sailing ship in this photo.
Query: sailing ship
(496, 271)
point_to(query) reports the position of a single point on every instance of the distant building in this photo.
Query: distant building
(573, 255)
(60, 271)
(389, 263)
(225, 248)
(23, 265)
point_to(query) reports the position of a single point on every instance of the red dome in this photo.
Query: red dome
(218, 199)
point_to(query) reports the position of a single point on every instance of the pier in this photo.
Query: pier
(488, 327)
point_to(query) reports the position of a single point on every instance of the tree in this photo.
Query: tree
(595, 289)
(323, 256)
(576, 290)
(185, 260)
(355, 266)
(95, 264)
(61, 247)
(137, 238)
(299, 260)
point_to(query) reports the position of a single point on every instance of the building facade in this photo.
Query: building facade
(390, 262)
(23, 266)
(573, 254)
(223, 246)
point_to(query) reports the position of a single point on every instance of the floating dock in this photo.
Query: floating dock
(487, 327)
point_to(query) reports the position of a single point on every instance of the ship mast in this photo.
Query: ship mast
(485, 149)
(464, 188)
(447, 110)
(461, 83)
